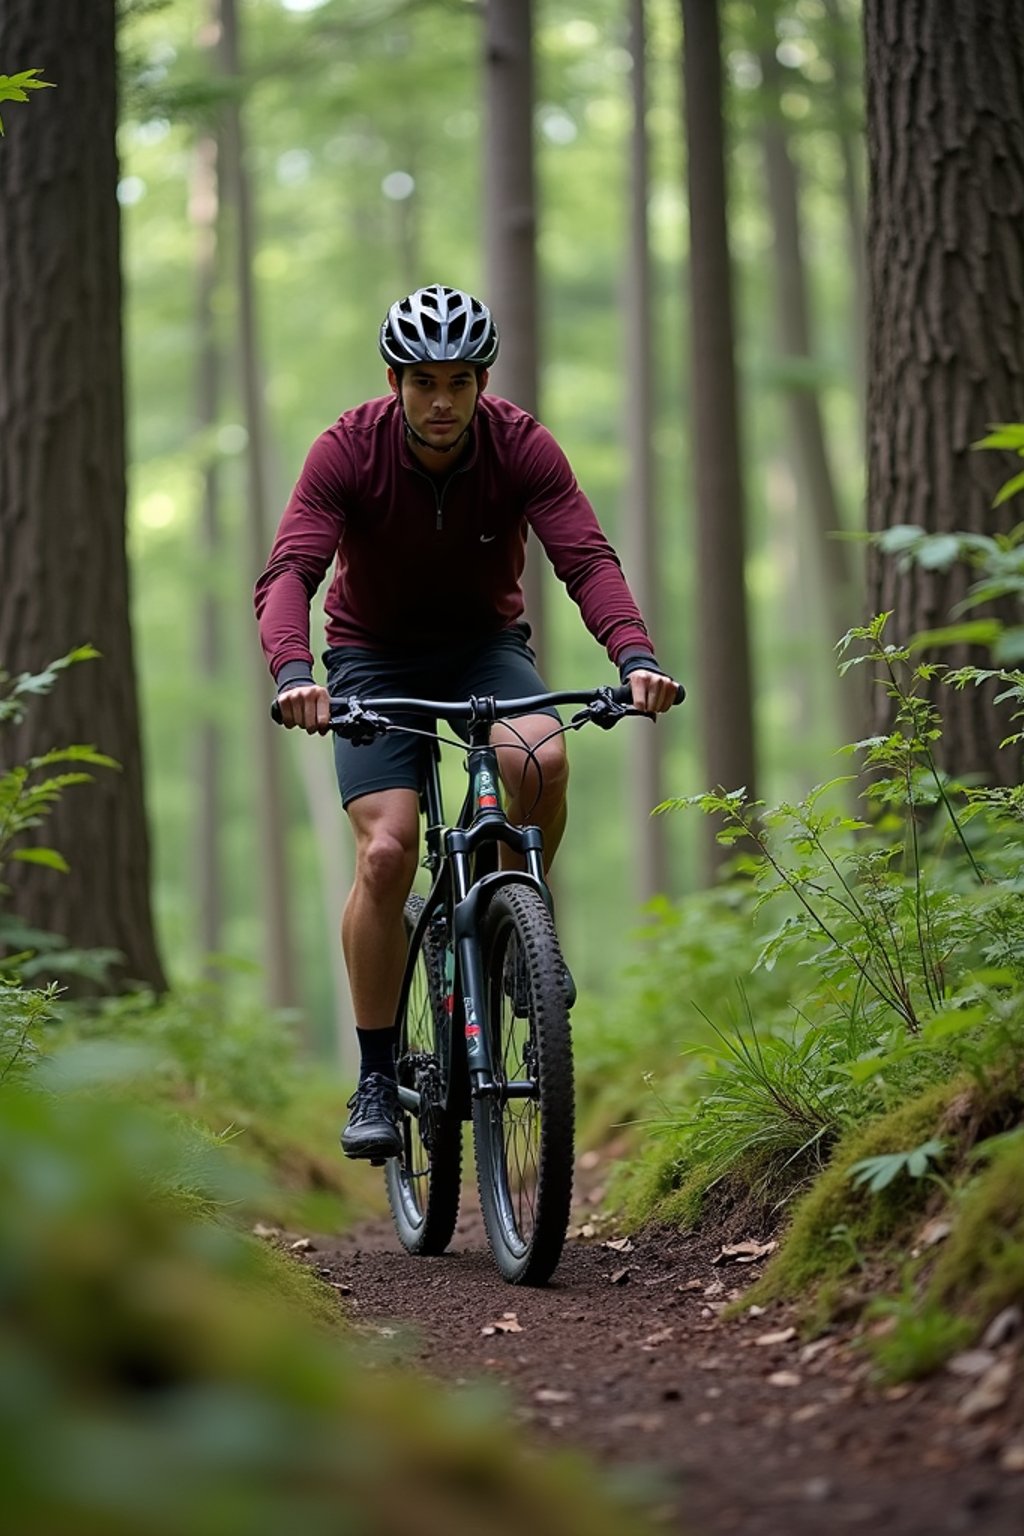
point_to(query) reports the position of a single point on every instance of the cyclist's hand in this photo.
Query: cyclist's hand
(307, 706)
(652, 691)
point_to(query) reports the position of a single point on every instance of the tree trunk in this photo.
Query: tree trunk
(647, 840)
(271, 854)
(510, 231)
(838, 601)
(847, 128)
(62, 471)
(204, 203)
(724, 656)
(945, 127)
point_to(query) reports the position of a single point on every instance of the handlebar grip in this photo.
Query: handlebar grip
(275, 713)
(623, 694)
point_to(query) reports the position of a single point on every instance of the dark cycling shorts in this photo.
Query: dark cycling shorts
(501, 667)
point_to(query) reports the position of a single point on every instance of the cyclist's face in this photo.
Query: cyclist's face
(439, 399)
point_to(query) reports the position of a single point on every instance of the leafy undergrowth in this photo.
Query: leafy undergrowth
(161, 1370)
(847, 1071)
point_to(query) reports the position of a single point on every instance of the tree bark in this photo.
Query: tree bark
(724, 655)
(62, 472)
(281, 989)
(510, 233)
(945, 130)
(647, 841)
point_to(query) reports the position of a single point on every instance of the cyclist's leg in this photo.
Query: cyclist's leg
(535, 781)
(386, 829)
(379, 786)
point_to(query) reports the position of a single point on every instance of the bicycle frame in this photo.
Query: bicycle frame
(450, 852)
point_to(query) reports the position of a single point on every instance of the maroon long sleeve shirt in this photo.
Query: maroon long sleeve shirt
(422, 560)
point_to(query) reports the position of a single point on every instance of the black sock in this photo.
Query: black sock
(377, 1051)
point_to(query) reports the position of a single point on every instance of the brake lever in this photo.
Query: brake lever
(605, 711)
(358, 725)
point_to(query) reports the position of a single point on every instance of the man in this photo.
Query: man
(423, 500)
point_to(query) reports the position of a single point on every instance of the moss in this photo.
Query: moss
(980, 1269)
(836, 1223)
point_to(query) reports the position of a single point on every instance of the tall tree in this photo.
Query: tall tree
(945, 134)
(726, 713)
(204, 204)
(841, 33)
(510, 229)
(62, 470)
(271, 813)
(836, 579)
(650, 859)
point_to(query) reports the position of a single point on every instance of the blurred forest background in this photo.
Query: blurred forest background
(286, 169)
(365, 128)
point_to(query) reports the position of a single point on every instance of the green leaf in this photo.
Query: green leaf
(14, 87)
(48, 856)
(1008, 434)
(1009, 489)
(974, 632)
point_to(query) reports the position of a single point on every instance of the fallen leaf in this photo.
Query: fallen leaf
(588, 1229)
(784, 1379)
(1002, 1327)
(620, 1244)
(716, 1288)
(990, 1392)
(507, 1323)
(806, 1411)
(782, 1336)
(815, 1348)
(691, 1285)
(661, 1337)
(302, 1245)
(934, 1231)
(745, 1252)
(755, 1311)
(262, 1230)
(1011, 1458)
(971, 1362)
(551, 1395)
(618, 1275)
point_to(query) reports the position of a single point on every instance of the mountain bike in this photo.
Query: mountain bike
(483, 1013)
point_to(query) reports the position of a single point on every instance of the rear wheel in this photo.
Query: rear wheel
(423, 1184)
(524, 1133)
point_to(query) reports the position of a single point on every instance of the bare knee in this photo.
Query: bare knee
(386, 847)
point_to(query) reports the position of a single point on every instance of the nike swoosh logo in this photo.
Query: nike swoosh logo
(487, 538)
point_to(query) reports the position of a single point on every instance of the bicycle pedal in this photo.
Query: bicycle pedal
(377, 1162)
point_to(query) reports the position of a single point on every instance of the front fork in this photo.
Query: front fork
(468, 912)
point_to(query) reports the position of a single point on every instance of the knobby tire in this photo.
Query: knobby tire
(423, 1184)
(524, 1146)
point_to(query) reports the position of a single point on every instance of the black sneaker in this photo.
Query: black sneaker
(373, 1126)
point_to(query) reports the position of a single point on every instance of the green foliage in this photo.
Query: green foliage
(900, 938)
(920, 1339)
(25, 799)
(813, 1254)
(161, 1372)
(17, 87)
(877, 1173)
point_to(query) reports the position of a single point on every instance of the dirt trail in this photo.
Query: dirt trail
(625, 1354)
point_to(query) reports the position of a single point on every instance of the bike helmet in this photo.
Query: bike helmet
(439, 325)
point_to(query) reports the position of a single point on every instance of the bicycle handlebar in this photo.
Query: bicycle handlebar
(483, 708)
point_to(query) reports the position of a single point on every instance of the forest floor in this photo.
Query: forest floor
(735, 1427)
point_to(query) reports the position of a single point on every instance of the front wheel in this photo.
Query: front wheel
(524, 1132)
(423, 1183)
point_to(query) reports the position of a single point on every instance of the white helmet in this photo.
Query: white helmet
(439, 325)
